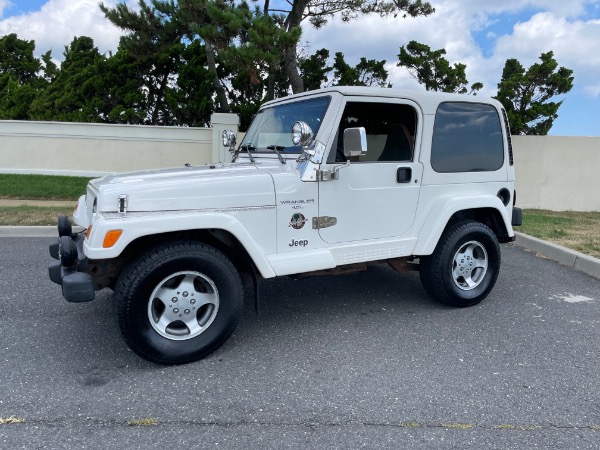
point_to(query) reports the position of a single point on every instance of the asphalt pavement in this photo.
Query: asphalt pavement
(363, 360)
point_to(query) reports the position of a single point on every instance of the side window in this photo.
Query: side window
(390, 131)
(467, 137)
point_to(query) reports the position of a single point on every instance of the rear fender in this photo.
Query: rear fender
(441, 213)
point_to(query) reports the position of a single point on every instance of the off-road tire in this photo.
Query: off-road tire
(441, 271)
(142, 278)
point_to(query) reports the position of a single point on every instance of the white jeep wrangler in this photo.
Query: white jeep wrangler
(328, 181)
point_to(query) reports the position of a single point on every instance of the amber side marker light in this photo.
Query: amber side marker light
(88, 232)
(111, 238)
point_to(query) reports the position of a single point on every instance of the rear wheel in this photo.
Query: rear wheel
(464, 265)
(178, 302)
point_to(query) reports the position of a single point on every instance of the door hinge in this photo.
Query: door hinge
(327, 175)
(323, 222)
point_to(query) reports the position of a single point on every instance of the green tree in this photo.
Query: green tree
(254, 63)
(261, 41)
(20, 80)
(152, 50)
(318, 12)
(365, 73)
(15, 99)
(434, 71)
(191, 99)
(314, 69)
(239, 47)
(526, 94)
(125, 94)
(76, 93)
(316, 73)
(17, 59)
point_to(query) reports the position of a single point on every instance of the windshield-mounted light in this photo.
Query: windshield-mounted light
(229, 138)
(301, 133)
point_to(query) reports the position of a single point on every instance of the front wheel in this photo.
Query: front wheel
(178, 302)
(464, 265)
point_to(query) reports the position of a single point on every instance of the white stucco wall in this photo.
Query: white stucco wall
(78, 148)
(557, 172)
(553, 172)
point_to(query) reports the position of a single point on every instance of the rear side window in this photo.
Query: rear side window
(467, 137)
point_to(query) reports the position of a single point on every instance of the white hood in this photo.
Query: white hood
(204, 187)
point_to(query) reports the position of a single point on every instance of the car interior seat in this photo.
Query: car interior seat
(399, 144)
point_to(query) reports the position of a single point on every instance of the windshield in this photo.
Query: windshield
(272, 127)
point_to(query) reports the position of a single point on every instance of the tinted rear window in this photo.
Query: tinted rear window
(467, 137)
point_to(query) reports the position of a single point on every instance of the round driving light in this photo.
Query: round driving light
(229, 138)
(64, 226)
(296, 133)
(301, 133)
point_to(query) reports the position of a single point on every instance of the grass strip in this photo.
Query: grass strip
(32, 215)
(146, 422)
(576, 230)
(41, 187)
(11, 420)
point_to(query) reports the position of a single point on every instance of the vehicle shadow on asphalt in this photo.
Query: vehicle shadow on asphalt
(350, 300)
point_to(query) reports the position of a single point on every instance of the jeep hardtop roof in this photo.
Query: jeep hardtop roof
(428, 101)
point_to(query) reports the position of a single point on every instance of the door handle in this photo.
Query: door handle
(403, 174)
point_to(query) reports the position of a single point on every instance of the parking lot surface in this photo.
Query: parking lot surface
(362, 360)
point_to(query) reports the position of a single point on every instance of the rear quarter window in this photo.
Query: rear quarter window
(467, 137)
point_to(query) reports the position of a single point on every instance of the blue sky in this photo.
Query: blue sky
(481, 34)
(17, 7)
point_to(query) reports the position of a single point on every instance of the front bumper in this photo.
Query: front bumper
(69, 264)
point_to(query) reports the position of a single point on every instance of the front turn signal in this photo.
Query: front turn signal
(111, 238)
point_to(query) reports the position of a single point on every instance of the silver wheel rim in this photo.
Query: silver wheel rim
(183, 305)
(469, 265)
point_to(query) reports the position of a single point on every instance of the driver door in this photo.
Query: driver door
(376, 195)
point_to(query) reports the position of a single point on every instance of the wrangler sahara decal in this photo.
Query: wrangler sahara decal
(298, 221)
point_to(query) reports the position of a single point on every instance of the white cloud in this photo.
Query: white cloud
(59, 21)
(565, 8)
(381, 38)
(574, 41)
(3, 5)
(593, 90)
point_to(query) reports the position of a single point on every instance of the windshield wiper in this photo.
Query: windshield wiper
(248, 147)
(277, 148)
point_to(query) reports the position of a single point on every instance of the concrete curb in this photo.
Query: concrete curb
(566, 256)
(45, 203)
(28, 231)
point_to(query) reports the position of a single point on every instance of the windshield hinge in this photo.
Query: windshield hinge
(323, 222)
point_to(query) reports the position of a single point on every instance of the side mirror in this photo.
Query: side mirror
(229, 139)
(355, 142)
(301, 134)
